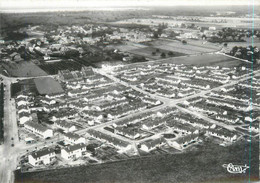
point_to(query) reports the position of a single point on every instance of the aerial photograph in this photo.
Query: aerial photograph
(129, 91)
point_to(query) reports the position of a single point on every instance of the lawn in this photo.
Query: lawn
(192, 46)
(155, 53)
(206, 59)
(128, 47)
(23, 69)
(203, 165)
(47, 85)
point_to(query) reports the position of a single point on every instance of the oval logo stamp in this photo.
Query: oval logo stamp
(235, 168)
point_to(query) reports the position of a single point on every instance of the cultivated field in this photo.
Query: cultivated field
(206, 59)
(23, 69)
(53, 68)
(147, 52)
(190, 48)
(47, 86)
(203, 165)
(128, 47)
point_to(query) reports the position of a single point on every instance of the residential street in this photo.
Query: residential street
(9, 154)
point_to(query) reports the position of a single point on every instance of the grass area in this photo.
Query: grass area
(23, 69)
(155, 53)
(206, 59)
(203, 165)
(47, 86)
(127, 47)
(192, 47)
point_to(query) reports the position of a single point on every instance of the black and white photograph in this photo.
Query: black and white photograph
(129, 91)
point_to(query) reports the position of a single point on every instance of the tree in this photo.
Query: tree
(157, 50)
(163, 55)
(153, 53)
(184, 42)
(155, 35)
(170, 53)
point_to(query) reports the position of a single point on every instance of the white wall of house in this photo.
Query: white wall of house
(46, 159)
(74, 154)
(73, 141)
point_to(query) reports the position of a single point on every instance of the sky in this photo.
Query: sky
(51, 4)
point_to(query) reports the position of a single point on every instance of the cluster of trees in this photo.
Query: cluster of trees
(248, 53)
(15, 36)
(138, 59)
(161, 27)
(229, 35)
(1, 113)
(162, 54)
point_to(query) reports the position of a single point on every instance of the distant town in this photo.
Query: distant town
(94, 93)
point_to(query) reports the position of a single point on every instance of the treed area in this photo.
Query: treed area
(248, 53)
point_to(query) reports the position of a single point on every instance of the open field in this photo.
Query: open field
(47, 86)
(23, 69)
(203, 165)
(128, 47)
(147, 52)
(206, 59)
(190, 48)
(53, 68)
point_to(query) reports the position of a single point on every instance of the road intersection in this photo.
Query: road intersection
(9, 154)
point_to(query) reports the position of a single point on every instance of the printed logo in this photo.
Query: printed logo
(235, 168)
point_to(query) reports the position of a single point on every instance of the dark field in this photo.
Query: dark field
(26, 85)
(203, 165)
(23, 69)
(47, 85)
(53, 68)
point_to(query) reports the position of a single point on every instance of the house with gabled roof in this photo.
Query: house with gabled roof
(121, 145)
(48, 101)
(44, 156)
(21, 101)
(73, 138)
(223, 134)
(53, 96)
(23, 108)
(73, 151)
(152, 123)
(24, 117)
(129, 133)
(65, 126)
(152, 144)
(39, 129)
(184, 141)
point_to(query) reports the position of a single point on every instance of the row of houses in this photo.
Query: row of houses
(47, 155)
(66, 75)
(229, 104)
(213, 78)
(23, 110)
(38, 129)
(123, 146)
(229, 96)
